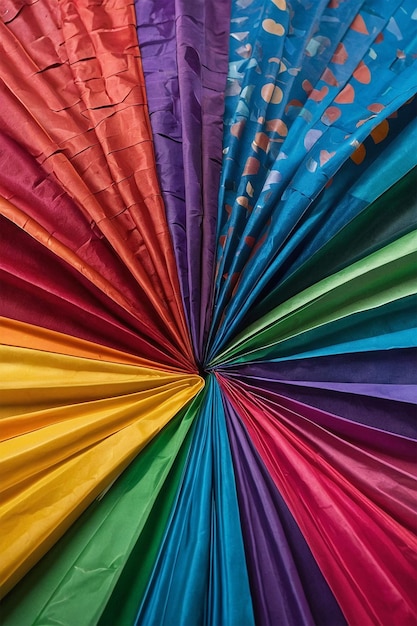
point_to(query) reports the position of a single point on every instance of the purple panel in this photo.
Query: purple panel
(184, 47)
(286, 583)
(362, 388)
(385, 366)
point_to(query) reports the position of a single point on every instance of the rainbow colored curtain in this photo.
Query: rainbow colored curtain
(208, 311)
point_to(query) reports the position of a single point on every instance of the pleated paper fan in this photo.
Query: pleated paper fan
(208, 312)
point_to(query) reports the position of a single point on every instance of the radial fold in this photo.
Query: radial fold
(386, 219)
(200, 574)
(286, 583)
(184, 48)
(382, 383)
(22, 335)
(36, 284)
(83, 100)
(379, 279)
(139, 502)
(64, 451)
(306, 91)
(364, 550)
